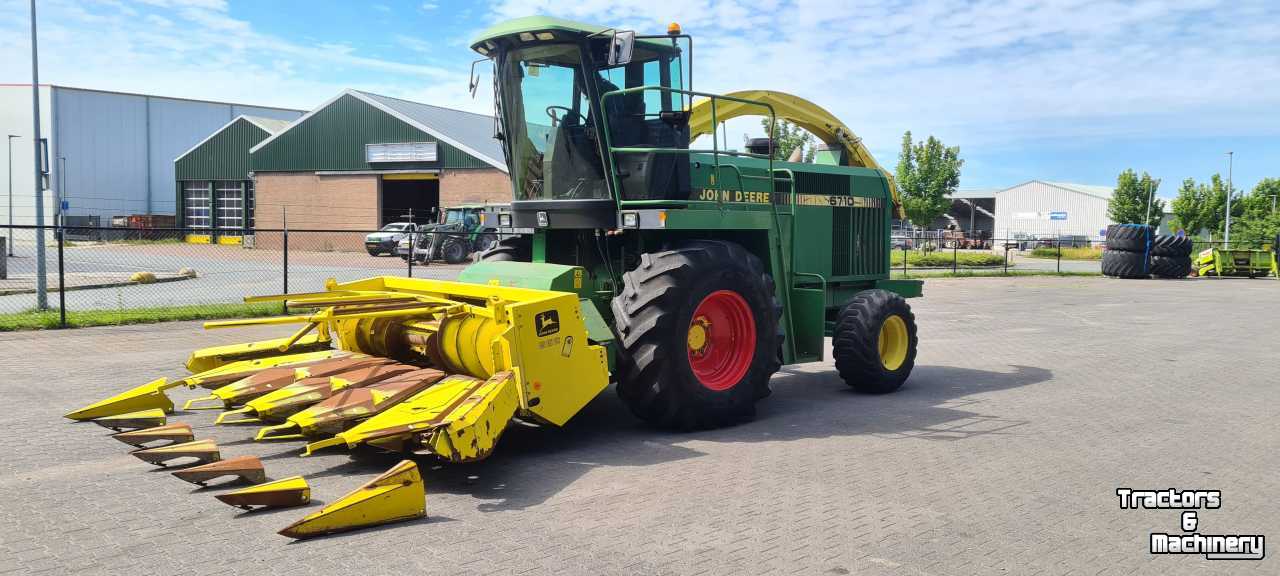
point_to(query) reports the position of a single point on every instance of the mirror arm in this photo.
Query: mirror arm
(473, 80)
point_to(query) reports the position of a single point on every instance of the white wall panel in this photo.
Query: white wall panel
(1029, 209)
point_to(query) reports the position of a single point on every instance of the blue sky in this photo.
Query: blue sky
(1073, 90)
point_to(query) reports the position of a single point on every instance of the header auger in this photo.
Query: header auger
(634, 253)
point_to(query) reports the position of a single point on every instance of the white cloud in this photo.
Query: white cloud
(995, 74)
(990, 73)
(198, 49)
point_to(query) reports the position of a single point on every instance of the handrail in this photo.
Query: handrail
(788, 281)
(786, 278)
(715, 151)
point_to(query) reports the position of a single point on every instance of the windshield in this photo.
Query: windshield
(398, 227)
(550, 134)
(454, 216)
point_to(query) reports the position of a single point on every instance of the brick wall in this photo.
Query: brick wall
(351, 203)
(474, 186)
(316, 202)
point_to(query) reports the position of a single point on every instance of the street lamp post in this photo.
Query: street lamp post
(9, 234)
(1226, 236)
(42, 297)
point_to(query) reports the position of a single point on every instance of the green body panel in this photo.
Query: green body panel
(903, 288)
(536, 275)
(334, 138)
(808, 313)
(225, 156)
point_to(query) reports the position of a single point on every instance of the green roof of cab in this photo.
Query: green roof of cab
(546, 24)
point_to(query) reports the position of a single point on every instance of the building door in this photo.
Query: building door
(406, 197)
(228, 196)
(196, 205)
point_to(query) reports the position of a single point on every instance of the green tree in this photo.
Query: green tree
(1128, 204)
(787, 137)
(928, 173)
(1258, 221)
(1188, 207)
(1201, 208)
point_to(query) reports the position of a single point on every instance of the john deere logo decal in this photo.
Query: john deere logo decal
(547, 323)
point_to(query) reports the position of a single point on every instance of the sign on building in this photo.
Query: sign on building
(400, 152)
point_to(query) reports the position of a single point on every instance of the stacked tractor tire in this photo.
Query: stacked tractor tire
(1135, 251)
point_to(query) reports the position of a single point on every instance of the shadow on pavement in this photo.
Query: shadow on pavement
(534, 463)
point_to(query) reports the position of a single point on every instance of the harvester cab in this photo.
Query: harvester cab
(683, 272)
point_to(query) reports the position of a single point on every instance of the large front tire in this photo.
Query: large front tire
(698, 332)
(875, 342)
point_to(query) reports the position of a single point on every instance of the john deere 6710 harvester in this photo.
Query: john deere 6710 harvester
(645, 254)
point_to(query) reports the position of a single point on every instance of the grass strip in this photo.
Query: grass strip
(48, 319)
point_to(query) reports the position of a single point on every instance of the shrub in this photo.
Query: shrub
(1094, 253)
(943, 259)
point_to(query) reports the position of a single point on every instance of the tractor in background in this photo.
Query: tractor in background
(462, 231)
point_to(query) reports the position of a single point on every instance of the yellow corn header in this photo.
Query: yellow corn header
(397, 364)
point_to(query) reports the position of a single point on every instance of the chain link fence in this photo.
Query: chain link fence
(101, 275)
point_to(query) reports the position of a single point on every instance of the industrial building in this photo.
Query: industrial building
(1052, 209)
(362, 160)
(215, 184)
(110, 153)
(1035, 209)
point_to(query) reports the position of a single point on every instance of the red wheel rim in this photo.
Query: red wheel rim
(721, 341)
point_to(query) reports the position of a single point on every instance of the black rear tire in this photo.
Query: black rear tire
(857, 347)
(654, 320)
(1123, 264)
(513, 249)
(454, 250)
(1170, 266)
(1166, 245)
(1128, 237)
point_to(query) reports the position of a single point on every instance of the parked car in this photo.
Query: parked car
(384, 241)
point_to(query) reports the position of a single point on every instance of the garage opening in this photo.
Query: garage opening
(409, 197)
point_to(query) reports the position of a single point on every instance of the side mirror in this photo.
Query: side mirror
(620, 47)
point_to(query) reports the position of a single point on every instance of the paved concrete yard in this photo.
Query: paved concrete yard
(1032, 401)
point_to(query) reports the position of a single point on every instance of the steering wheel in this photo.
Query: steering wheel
(555, 120)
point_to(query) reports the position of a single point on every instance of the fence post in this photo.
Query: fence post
(904, 259)
(1059, 243)
(413, 246)
(284, 219)
(955, 257)
(62, 287)
(1006, 257)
